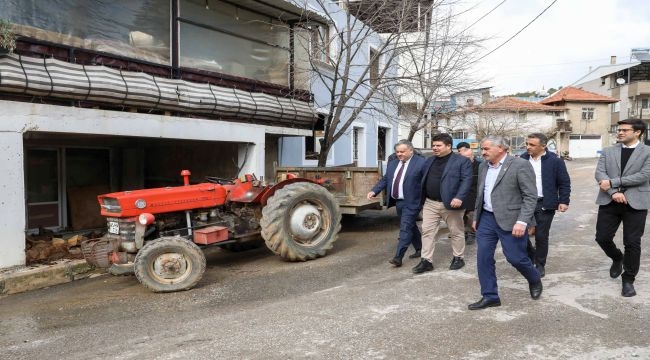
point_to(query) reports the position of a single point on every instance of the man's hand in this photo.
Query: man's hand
(563, 207)
(605, 185)
(619, 197)
(519, 230)
(456, 203)
(531, 231)
(370, 195)
(474, 226)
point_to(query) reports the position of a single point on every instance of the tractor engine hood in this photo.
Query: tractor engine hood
(162, 200)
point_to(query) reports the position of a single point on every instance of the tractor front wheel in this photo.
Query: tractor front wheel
(301, 221)
(169, 264)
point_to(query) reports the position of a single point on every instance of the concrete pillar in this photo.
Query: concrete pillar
(12, 201)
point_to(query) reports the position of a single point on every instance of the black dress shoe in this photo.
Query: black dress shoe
(541, 270)
(456, 263)
(415, 255)
(484, 303)
(628, 289)
(397, 262)
(424, 266)
(616, 269)
(535, 290)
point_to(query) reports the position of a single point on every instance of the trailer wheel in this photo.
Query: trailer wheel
(169, 264)
(301, 221)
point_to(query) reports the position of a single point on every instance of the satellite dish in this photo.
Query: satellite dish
(620, 81)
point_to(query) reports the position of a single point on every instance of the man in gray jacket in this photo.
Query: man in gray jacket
(505, 204)
(623, 175)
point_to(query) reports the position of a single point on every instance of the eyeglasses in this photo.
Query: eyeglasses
(624, 130)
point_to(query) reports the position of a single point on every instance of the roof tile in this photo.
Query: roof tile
(513, 104)
(573, 94)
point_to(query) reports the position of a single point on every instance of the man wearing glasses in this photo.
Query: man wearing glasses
(623, 175)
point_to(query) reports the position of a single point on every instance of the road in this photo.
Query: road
(349, 305)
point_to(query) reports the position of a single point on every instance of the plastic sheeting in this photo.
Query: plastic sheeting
(101, 84)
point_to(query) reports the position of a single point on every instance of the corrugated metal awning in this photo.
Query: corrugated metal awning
(62, 80)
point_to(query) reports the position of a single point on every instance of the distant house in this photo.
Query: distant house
(444, 117)
(583, 128)
(510, 117)
(628, 82)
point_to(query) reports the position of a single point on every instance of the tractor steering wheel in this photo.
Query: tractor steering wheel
(218, 180)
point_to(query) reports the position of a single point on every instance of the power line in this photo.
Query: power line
(482, 17)
(518, 32)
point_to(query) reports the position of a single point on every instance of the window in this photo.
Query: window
(470, 102)
(374, 67)
(227, 39)
(616, 107)
(587, 114)
(382, 137)
(319, 43)
(134, 29)
(313, 143)
(458, 134)
(645, 103)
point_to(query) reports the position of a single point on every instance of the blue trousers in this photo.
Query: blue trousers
(514, 249)
(408, 229)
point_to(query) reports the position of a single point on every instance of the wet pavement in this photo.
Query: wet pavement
(349, 305)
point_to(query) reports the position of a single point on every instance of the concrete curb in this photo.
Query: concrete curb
(26, 279)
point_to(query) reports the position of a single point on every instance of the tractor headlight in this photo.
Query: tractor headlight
(111, 204)
(146, 219)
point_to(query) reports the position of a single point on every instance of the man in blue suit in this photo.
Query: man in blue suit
(445, 189)
(402, 183)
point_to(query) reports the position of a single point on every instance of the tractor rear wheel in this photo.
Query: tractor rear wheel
(169, 264)
(301, 221)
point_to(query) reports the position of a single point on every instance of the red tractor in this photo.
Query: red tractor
(159, 234)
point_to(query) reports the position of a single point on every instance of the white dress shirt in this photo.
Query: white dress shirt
(537, 167)
(401, 180)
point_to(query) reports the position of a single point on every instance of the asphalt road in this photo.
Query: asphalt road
(349, 305)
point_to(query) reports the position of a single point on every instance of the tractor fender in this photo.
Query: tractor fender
(280, 185)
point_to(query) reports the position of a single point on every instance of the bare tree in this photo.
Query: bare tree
(359, 81)
(510, 124)
(435, 64)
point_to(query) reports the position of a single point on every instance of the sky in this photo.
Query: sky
(560, 46)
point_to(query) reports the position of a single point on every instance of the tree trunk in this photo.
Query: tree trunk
(411, 134)
(322, 157)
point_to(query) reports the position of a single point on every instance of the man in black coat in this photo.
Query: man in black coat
(553, 191)
(446, 183)
(465, 150)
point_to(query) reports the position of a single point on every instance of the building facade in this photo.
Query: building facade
(629, 83)
(584, 128)
(122, 95)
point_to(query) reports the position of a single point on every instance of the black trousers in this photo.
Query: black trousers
(610, 217)
(539, 252)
